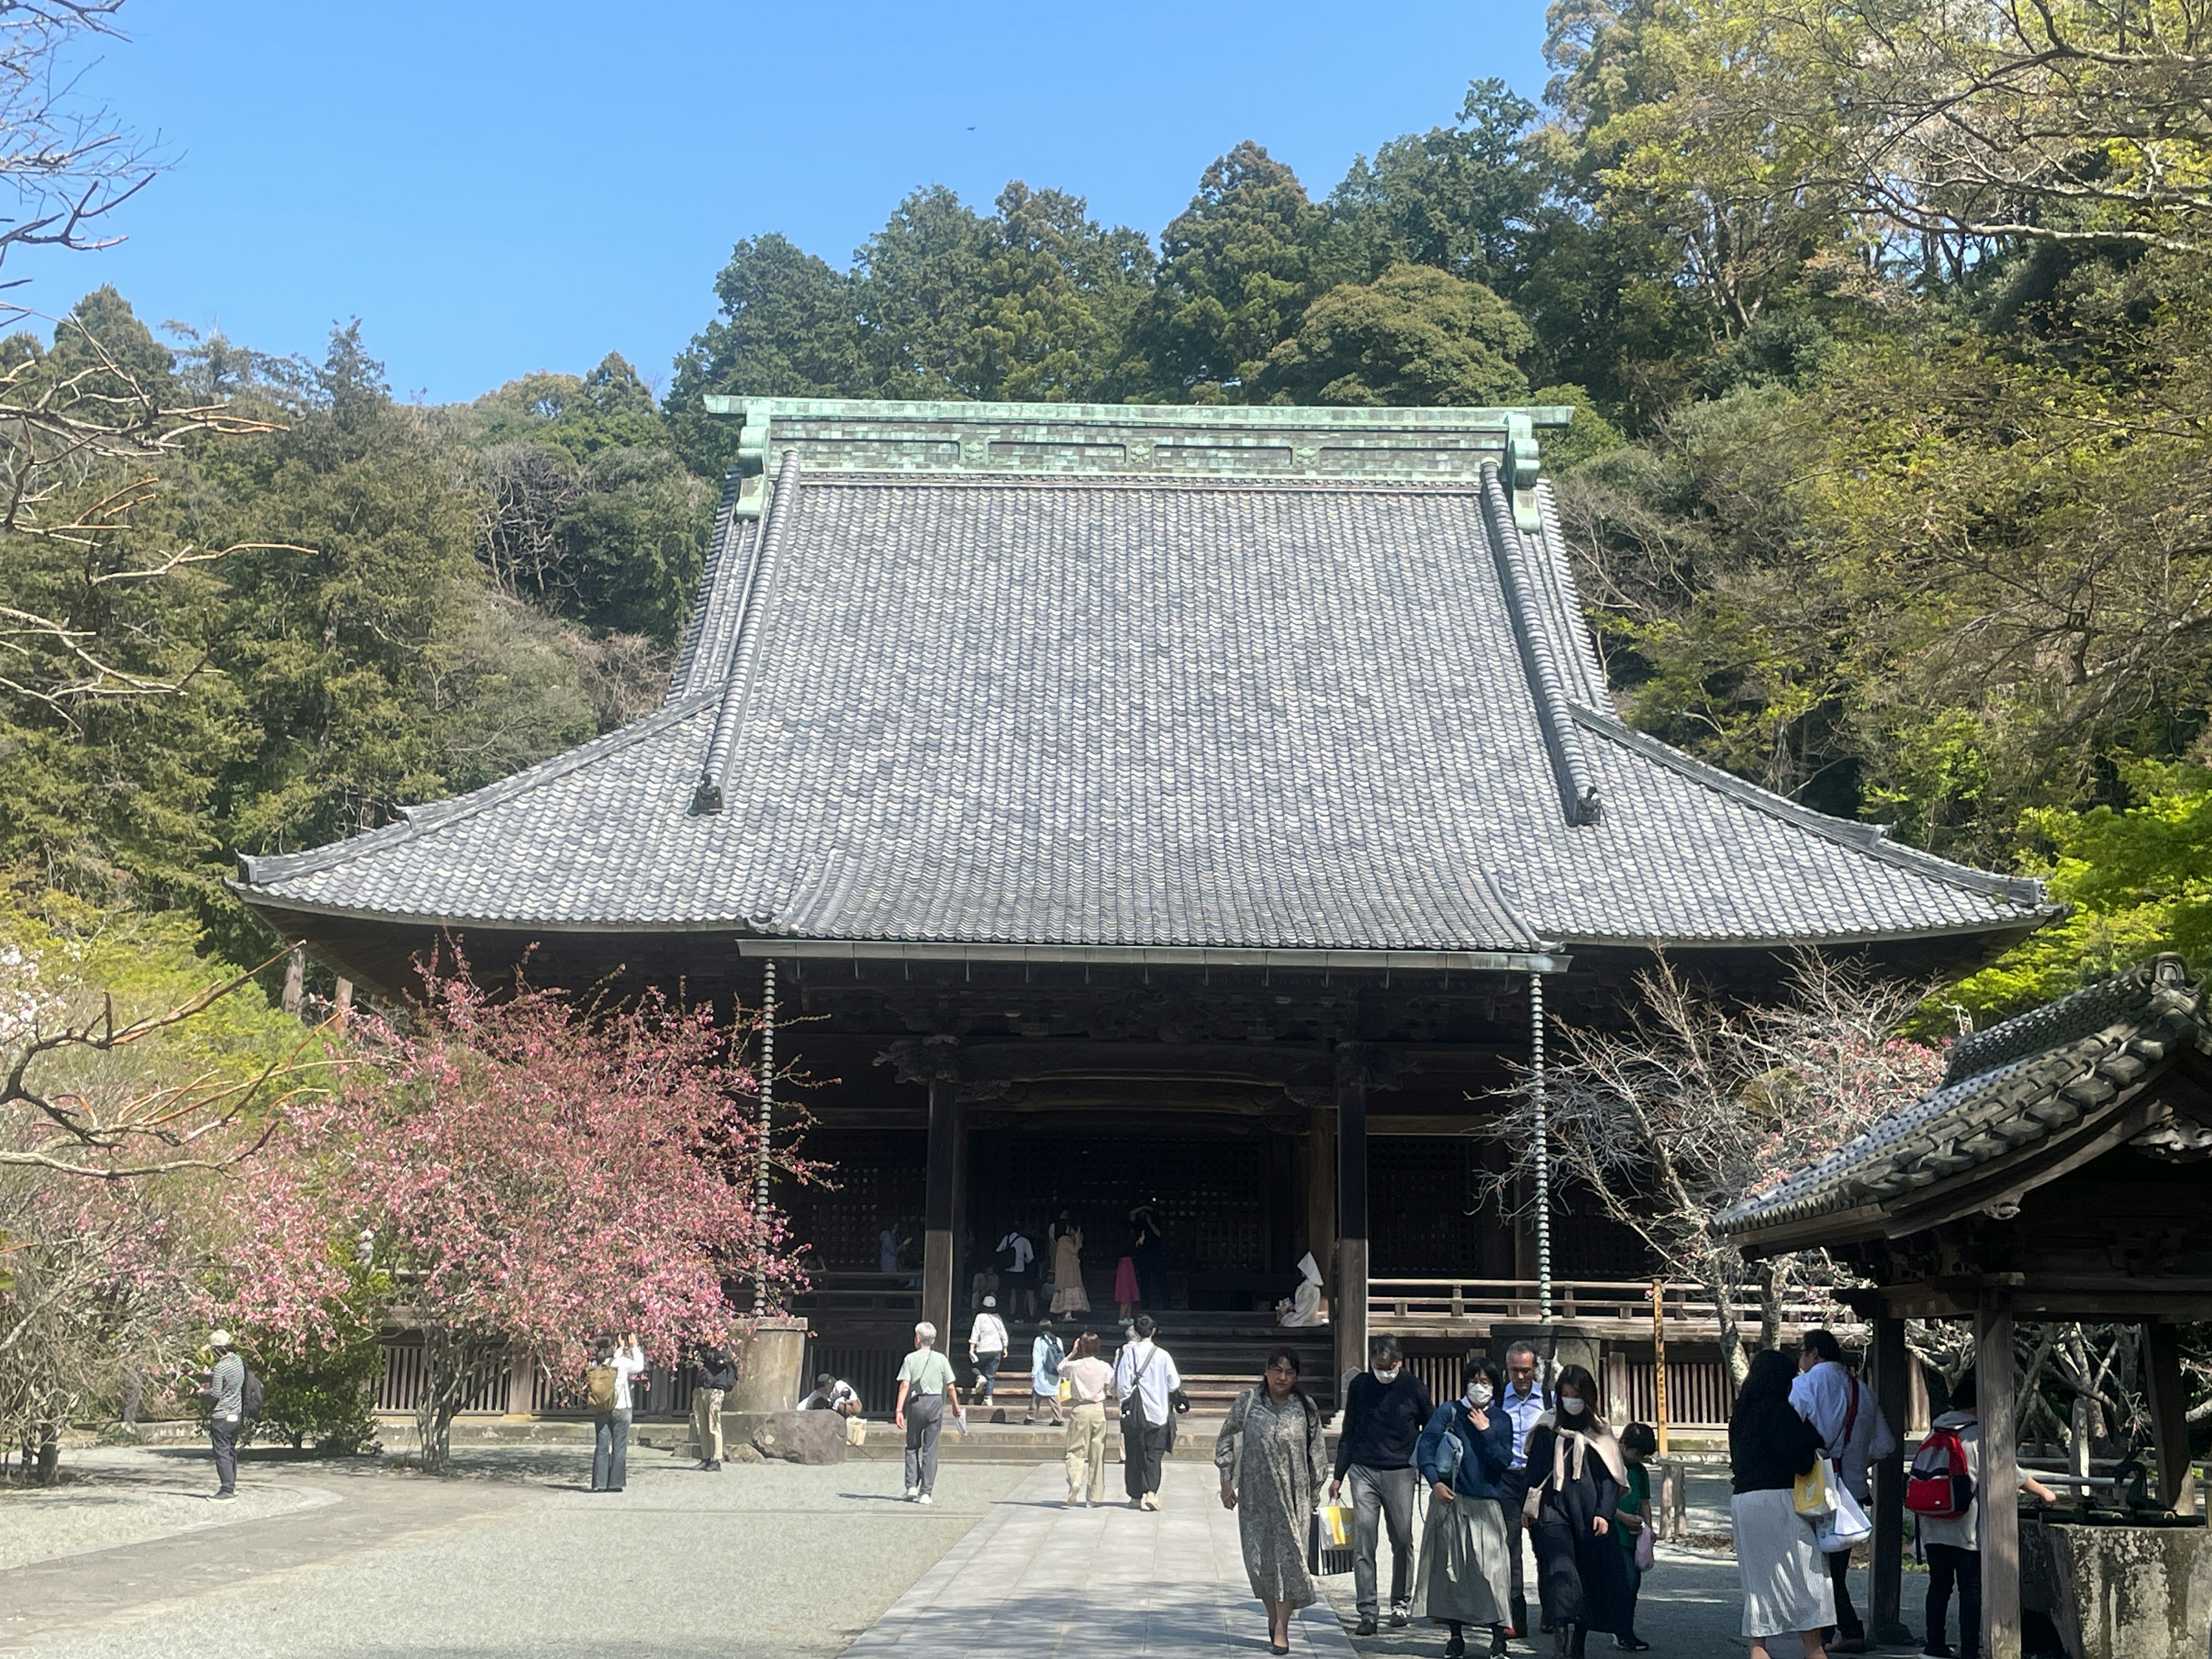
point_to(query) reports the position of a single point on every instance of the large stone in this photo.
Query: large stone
(2132, 1592)
(802, 1437)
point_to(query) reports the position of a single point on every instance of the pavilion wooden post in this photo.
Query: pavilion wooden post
(1888, 1574)
(1321, 1198)
(2169, 1417)
(1999, 1497)
(296, 978)
(1348, 1314)
(944, 1178)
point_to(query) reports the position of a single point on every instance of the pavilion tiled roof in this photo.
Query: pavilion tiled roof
(2005, 1088)
(1285, 704)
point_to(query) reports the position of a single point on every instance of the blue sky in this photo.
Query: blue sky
(495, 187)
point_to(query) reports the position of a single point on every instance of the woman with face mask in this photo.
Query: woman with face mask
(1463, 1457)
(1576, 1477)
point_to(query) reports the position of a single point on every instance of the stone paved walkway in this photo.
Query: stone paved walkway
(1036, 1579)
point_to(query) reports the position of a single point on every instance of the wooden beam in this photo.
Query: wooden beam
(1999, 1497)
(2169, 1417)
(1886, 1577)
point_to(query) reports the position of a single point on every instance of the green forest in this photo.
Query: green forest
(1888, 481)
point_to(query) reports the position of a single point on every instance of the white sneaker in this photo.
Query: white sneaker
(911, 1493)
(924, 1499)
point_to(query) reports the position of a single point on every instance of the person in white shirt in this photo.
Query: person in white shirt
(832, 1394)
(611, 1433)
(1019, 1273)
(1090, 1384)
(1853, 1435)
(1145, 1378)
(986, 1347)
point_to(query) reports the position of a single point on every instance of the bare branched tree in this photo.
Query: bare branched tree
(1701, 1102)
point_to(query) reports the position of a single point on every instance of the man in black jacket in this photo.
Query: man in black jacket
(1384, 1411)
(715, 1375)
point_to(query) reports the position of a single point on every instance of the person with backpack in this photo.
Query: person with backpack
(1854, 1436)
(716, 1374)
(607, 1382)
(1045, 1352)
(1939, 1493)
(1464, 1454)
(234, 1395)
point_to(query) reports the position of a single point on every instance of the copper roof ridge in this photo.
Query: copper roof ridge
(1539, 658)
(744, 655)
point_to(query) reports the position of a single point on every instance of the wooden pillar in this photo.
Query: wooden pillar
(1321, 1198)
(1348, 1313)
(942, 1196)
(1886, 1580)
(296, 978)
(1999, 1497)
(2169, 1417)
(343, 1006)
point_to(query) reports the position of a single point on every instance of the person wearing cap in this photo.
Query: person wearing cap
(226, 1396)
(986, 1347)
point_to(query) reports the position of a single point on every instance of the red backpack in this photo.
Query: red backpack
(1938, 1486)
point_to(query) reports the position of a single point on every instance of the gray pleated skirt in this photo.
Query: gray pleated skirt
(1462, 1571)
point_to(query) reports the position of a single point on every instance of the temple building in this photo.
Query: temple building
(1190, 805)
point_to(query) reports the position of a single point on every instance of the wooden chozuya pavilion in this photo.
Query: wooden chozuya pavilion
(2063, 1171)
(1190, 805)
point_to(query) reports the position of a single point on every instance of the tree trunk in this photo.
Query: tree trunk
(1770, 1307)
(1722, 1291)
(446, 1358)
(49, 1466)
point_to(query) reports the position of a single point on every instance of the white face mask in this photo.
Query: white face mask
(1477, 1396)
(1387, 1377)
(1570, 1406)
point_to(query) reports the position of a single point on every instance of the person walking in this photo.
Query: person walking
(1090, 1384)
(1953, 1543)
(1148, 1247)
(1632, 1520)
(1854, 1436)
(1785, 1585)
(987, 1348)
(715, 1376)
(1576, 1477)
(1270, 1452)
(1463, 1457)
(925, 1388)
(1017, 1272)
(1145, 1377)
(226, 1396)
(1385, 1411)
(1045, 1352)
(1522, 1404)
(618, 1362)
(1068, 1296)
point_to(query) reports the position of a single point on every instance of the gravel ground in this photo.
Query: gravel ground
(112, 1498)
(756, 1559)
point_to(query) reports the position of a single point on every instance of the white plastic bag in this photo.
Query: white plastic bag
(1846, 1524)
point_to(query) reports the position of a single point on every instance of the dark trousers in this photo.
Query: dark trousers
(925, 1421)
(1947, 1565)
(225, 1436)
(986, 1373)
(1144, 1444)
(611, 1451)
(1839, 1578)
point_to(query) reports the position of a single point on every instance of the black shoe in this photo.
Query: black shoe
(713, 1463)
(1496, 1642)
(226, 1494)
(1366, 1624)
(1455, 1647)
(1399, 1621)
(1631, 1642)
(1938, 1650)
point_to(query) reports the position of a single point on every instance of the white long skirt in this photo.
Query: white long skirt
(1785, 1578)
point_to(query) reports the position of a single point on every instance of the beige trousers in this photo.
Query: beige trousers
(707, 1424)
(1086, 1452)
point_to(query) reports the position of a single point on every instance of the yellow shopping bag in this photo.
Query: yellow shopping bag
(1336, 1525)
(1810, 1495)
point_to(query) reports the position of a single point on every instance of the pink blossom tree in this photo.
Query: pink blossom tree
(532, 1174)
(1702, 1101)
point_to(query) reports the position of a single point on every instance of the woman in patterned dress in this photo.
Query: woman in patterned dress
(1270, 1455)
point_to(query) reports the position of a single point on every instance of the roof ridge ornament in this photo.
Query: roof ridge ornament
(744, 656)
(1540, 662)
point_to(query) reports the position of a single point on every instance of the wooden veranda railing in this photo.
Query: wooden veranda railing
(1607, 1307)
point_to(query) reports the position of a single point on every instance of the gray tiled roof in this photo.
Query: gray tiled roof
(1102, 710)
(2005, 1088)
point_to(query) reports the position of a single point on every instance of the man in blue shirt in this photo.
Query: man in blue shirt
(1524, 1403)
